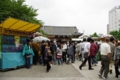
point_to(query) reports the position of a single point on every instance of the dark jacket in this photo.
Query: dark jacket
(43, 49)
(71, 50)
(53, 48)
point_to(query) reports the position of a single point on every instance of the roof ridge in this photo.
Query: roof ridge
(59, 26)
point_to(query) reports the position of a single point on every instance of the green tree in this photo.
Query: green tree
(94, 35)
(19, 10)
(116, 34)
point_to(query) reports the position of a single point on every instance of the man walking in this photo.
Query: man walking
(112, 47)
(53, 49)
(87, 55)
(82, 44)
(105, 56)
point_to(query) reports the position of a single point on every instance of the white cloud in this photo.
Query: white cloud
(88, 15)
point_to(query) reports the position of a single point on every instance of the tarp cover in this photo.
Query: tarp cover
(19, 25)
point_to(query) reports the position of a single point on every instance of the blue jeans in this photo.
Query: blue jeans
(93, 60)
(59, 61)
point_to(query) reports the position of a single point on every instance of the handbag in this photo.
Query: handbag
(28, 55)
(59, 54)
(49, 53)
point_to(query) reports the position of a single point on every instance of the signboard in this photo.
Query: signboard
(14, 32)
(12, 43)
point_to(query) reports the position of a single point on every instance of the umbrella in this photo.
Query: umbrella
(40, 39)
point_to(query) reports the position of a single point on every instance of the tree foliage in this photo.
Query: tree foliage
(19, 10)
(42, 32)
(94, 35)
(116, 34)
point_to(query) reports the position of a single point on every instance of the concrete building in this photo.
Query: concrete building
(107, 28)
(114, 19)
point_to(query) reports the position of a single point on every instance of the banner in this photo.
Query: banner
(17, 41)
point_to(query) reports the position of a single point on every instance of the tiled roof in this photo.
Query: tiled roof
(60, 30)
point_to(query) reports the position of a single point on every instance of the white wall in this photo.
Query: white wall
(114, 19)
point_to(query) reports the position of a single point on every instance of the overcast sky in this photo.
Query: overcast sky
(87, 15)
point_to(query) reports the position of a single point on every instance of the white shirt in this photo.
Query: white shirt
(81, 46)
(105, 48)
(86, 46)
(64, 47)
(78, 47)
(68, 45)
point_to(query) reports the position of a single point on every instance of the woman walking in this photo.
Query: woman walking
(48, 56)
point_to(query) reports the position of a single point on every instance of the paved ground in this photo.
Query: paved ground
(62, 72)
(93, 74)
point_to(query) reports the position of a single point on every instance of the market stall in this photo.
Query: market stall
(13, 35)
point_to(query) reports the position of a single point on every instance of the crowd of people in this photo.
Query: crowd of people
(50, 53)
(109, 53)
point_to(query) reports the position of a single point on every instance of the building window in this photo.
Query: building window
(119, 20)
(119, 24)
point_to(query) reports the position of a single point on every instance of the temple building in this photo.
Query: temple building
(63, 33)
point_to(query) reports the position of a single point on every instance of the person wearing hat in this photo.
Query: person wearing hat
(28, 53)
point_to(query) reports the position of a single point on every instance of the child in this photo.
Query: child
(59, 55)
